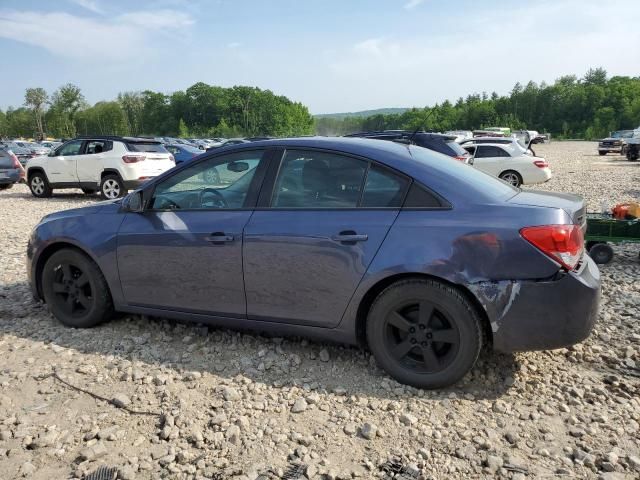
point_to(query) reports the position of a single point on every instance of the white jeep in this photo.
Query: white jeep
(110, 164)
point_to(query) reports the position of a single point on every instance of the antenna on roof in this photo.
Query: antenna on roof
(423, 126)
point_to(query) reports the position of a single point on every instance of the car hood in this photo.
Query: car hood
(610, 139)
(107, 206)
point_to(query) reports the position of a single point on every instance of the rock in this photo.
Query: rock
(634, 462)
(407, 419)
(350, 428)
(500, 406)
(230, 394)
(299, 406)
(369, 430)
(93, 452)
(324, 355)
(121, 400)
(233, 434)
(28, 469)
(494, 463)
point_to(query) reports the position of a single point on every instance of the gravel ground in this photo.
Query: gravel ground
(185, 401)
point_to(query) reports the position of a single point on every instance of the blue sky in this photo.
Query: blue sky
(332, 55)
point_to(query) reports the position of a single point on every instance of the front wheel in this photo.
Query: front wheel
(511, 177)
(6, 186)
(601, 153)
(39, 186)
(112, 187)
(424, 333)
(75, 289)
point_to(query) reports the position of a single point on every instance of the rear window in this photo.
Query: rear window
(478, 180)
(5, 160)
(455, 146)
(146, 147)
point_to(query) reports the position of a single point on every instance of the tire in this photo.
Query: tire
(632, 154)
(404, 344)
(89, 191)
(512, 177)
(39, 185)
(601, 153)
(6, 186)
(112, 187)
(601, 253)
(75, 289)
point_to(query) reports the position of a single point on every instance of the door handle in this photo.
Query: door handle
(349, 237)
(218, 238)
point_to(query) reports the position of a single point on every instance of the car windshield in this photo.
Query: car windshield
(467, 174)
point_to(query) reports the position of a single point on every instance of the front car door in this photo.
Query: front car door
(61, 167)
(184, 252)
(319, 223)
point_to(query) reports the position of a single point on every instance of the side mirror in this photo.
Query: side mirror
(133, 202)
(237, 167)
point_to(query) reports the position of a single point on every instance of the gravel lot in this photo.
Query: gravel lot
(192, 402)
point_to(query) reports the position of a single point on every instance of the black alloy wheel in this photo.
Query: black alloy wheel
(75, 289)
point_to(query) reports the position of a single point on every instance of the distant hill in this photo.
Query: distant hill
(363, 113)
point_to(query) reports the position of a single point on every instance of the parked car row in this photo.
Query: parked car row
(382, 243)
(11, 170)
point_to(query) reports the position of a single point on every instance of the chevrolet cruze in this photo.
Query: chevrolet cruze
(420, 257)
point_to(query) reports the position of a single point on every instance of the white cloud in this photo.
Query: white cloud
(81, 37)
(91, 5)
(158, 19)
(411, 4)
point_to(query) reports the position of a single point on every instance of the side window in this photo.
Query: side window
(97, 146)
(310, 179)
(383, 188)
(490, 151)
(173, 150)
(217, 183)
(420, 197)
(71, 148)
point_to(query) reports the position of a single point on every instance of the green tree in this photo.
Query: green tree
(36, 99)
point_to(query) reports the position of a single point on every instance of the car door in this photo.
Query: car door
(90, 163)
(184, 251)
(314, 234)
(490, 159)
(61, 167)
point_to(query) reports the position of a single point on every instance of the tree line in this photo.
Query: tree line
(201, 111)
(588, 108)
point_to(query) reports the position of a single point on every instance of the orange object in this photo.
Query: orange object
(626, 211)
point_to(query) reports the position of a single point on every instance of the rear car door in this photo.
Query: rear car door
(490, 159)
(184, 251)
(90, 163)
(321, 218)
(61, 168)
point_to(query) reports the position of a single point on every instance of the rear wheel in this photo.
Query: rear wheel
(512, 177)
(75, 289)
(39, 185)
(600, 152)
(601, 253)
(112, 187)
(424, 333)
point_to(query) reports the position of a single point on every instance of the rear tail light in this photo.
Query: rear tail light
(562, 243)
(16, 162)
(541, 163)
(462, 158)
(133, 158)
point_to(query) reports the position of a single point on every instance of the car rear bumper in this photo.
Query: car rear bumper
(610, 149)
(12, 176)
(542, 315)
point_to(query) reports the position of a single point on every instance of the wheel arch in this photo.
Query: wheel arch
(110, 171)
(46, 254)
(369, 297)
(32, 170)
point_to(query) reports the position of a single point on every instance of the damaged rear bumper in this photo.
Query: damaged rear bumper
(542, 315)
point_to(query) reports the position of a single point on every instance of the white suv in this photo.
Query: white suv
(110, 164)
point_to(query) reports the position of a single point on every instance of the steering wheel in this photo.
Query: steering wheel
(219, 201)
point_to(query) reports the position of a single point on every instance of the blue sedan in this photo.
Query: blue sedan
(423, 259)
(183, 153)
